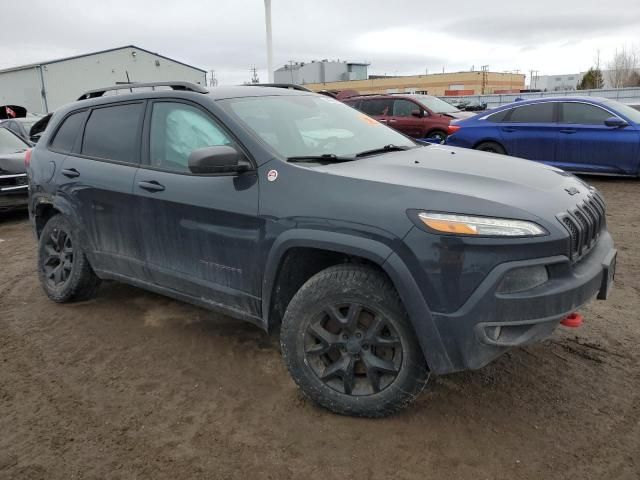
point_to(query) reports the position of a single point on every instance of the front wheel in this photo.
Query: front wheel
(436, 136)
(349, 345)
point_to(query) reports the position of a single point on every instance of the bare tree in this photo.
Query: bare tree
(622, 69)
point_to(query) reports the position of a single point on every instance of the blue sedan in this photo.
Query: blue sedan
(581, 134)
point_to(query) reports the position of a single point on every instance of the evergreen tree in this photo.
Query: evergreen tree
(592, 79)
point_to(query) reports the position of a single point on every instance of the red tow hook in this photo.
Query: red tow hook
(573, 320)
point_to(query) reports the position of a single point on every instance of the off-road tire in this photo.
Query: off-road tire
(370, 288)
(80, 281)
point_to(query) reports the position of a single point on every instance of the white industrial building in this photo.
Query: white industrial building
(566, 81)
(320, 72)
(43, 87)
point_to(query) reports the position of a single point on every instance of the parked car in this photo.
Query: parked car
(418, 116)
(13, 176)
(580, 134)
(474, 106)
(467, 105)
(20, 126)
(381, 259)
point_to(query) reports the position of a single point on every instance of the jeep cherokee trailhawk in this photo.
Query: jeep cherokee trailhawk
(381, 259)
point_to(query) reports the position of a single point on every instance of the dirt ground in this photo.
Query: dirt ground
(134, 385)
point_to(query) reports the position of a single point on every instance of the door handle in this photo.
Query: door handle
(508, 129)
(151, 186)
(382, 120)
(70, 172)
(392, 121)
(568, 130)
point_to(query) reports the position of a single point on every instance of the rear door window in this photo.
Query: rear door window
(113, 133)
(583, 114)
(377, 106)
(66, 135)
(535, 113)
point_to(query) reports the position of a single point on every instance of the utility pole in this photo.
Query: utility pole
(213, 81)
(533, 79)
(267, 21)
(291, 64)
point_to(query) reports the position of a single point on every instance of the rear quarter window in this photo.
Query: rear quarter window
(65, 137)
(498, 116)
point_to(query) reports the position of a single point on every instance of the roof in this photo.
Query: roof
(33, 65)
(574, 98)
(215, 93)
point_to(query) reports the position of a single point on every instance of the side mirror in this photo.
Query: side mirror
(218, 159)
(417, 113)
(615, 122)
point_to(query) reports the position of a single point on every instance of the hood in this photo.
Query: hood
(468, 181)
(11, 163)
(460, 115)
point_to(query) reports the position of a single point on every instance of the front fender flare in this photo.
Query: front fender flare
(378, 253)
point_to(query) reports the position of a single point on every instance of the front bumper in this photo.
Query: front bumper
(490, 322)
(14, 191)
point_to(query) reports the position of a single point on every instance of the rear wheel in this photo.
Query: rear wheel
(64, 271)
(348, 343)
(491, 147)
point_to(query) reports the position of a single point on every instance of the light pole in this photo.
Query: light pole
(267, 21)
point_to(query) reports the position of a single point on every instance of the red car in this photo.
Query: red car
(418, 116)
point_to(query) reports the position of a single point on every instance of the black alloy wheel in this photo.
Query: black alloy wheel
(58, 261)
(353, 349)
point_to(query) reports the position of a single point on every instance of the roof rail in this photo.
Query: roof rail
(186, 86)
(290, 86)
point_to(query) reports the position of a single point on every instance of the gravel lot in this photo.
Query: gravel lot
(134, 385)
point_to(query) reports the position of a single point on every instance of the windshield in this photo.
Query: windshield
(9, 143)
(310, 125)
(435, 104)
(629, 112)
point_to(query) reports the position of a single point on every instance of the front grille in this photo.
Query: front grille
(17, 181)
(584, 223)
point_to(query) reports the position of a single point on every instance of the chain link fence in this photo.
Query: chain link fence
(630, 96)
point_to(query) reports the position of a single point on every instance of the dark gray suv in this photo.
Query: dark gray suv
(381, 259)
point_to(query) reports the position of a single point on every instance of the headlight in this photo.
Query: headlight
(472, 225)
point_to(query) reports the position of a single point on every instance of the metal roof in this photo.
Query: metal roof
(33, 65)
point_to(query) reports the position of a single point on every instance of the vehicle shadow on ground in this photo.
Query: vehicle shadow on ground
(13, 216)
(163, 313)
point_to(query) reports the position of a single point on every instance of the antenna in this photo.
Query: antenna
(254, 77)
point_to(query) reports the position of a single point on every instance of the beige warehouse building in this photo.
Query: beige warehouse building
(455, 83)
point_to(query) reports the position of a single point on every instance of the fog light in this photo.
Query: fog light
(524, 278)
(493, 332)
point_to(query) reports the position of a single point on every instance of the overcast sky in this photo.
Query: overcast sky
(396, 37)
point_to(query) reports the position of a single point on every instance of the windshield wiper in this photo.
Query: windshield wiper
(325, 157)
(385, 149)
